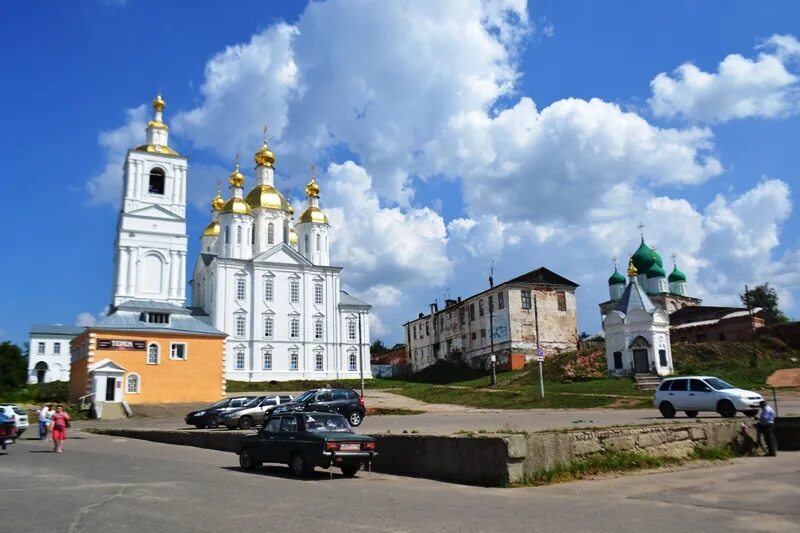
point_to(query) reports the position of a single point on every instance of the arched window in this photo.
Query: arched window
(239, 361)
(157, 179)
(227, 234)
(252, 235)
(319, 329)
(269, 327)
(270, 233)
(293, 361)
(152, 354)
(351, 330)
(241, 288)
(319, 242)
(353, 363)
(132, 384)
(267, 360)
(240, 326)
(269, 289)
(294, 328)
(318, 362)
(318, 293)
(238, 235)
(306, 248)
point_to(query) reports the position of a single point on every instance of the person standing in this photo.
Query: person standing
(43, 421)
(59, 425)
(766, 427)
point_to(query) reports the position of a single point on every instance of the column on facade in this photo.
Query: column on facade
(182, 276)
(122, 270)
(131, 269)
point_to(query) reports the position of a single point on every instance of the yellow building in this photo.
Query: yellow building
(147, 352)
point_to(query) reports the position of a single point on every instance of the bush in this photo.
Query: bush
(575, 365)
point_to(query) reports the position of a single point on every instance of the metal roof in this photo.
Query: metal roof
(151, 305)
(634, 297)
(178, 323)
(56, 329)
(351, 301)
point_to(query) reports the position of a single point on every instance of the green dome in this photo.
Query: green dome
(677, 275)
(616, 278)
(655, 272)
(645, 257)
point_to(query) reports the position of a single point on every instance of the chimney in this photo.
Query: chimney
(434, 308)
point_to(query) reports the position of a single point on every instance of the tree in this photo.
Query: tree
(13, 367)
(766, 298)
(377, 348)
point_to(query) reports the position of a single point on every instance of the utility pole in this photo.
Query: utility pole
(539, 351)
(492, 357)
(360, 354)
(754, 354)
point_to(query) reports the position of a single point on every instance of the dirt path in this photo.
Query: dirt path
(788, 377)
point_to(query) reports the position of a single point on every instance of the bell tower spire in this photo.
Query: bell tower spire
(157, 131)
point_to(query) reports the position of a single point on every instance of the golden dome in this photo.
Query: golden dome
(293, 239)
(265, 197)
(217, 203)
(312, 189)
(631, 268)
(265, 157)
(157, 124)
(236, 206)
(236, 179)
(156, 149)
(313, 215)
(159, 104)
(212, 230)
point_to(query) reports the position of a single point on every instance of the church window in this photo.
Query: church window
(472, 312)
(252, 235)
(177, 350)
(480, 307)
(293, 360)
(617, 360)
(227, 234)
(241, 288)
(152, 354)
(662, 358)
(240, 326)
(501, 300)
(239, 361)
(132, 384)
(269, 327)
(269, 290)
(318, 293)
(270, 233)
(526, 299)
(306, 247)
(57, 348)
(294, 328)
(155, 318)
(319, 328)
(294, 291)
(318, 362)
(267, 360)
(319, 243)
(352, 366)
(40, 348)
(561, 298)
(238, 235)
(351, 330)
(157, 179)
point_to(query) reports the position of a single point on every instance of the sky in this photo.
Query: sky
(448, 136)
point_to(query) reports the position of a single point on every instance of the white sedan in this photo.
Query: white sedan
(17, 415)
(692, 394)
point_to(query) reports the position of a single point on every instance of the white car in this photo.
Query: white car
(692, 394)
(18, 415)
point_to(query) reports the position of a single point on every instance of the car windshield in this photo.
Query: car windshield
(219, 404)
(325, 423)
(303, 397)
(718, 384)
(254, 402)
(18, 410)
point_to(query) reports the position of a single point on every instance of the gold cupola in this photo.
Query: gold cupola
(157, 131)
(236, 205)
(265, 157)
(212, 230)
(236, 179)
(632, 272)
(312, 188)
(217, 203)
(313, 213)
(158, 103)
(265, 196)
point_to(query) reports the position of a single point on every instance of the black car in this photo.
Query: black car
(346, 402)
(304, 440)
(208, 417)
(8, 431)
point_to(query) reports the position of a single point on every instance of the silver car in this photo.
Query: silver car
(254, 413)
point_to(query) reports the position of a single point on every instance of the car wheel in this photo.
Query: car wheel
(750, 412)
(726, 409)
(246, 460)
(691, 414)
(246, 422)
(199, 426)
(213, 422)
(350, 470)
(666, 409)
(355, 418)
(298, 465)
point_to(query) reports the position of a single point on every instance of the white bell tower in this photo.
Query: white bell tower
(151, 243)
(312, 228)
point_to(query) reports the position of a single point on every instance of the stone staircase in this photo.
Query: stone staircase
(109, 410)
(646, 381)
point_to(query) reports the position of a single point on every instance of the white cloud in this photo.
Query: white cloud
(740, 88)
(86, 320)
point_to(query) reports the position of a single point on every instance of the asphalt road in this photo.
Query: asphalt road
(107, 484)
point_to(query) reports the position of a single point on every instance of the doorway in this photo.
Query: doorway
(111, 384)
(41, 371)
(641, 364)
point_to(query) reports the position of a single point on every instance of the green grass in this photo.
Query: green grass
(36, 394)
(712, 454)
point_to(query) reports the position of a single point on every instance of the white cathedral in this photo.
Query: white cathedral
(260, 277)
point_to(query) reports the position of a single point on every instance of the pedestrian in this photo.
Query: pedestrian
(43, 421)
(48, 430)
(766, 427)
(59, 427)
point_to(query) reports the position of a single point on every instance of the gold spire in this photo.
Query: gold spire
(217, 203)
(312, 189)
(265, 157)
(158, 103)
(631, 268)
(236, 179)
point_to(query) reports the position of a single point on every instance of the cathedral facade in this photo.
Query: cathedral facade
(266, 280)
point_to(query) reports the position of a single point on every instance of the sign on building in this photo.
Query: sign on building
(119, 344)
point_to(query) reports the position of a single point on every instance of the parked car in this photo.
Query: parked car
(208, 417)
(692, 394)
(304, 440)
(252, 414)
(17, 415)
(346, 402)
(8, 431)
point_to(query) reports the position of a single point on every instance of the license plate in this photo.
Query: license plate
(347, 447)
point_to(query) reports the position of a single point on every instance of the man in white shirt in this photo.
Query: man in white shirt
(766, 427)
(43, 421)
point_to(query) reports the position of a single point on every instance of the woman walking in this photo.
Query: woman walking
(59, 424)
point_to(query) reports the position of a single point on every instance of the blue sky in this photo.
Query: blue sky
(448, 135)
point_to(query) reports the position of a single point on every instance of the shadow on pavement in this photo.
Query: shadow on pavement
(283, 472)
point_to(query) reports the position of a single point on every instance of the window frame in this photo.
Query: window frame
(158, 353)
(501, 300)
(319, 329)
(237, 321)
(269, 290)
(527, 300)
(56, 348)
(41, 348)
(318, 294)
(294, 361)
(236, 354)
(138, 378)
(294, 291)
(294, 328)
(352, 362)
(271, 233)
(241, 288)
(266, 360)
(269, 327)
(319, 362)
(173, 345)
(160, 173)
(352, 330)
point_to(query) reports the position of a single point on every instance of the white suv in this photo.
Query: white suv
(18, 415)
(692, 394)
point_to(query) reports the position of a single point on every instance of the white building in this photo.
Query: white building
(637, 333)
(48, 357)
(268, 282)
